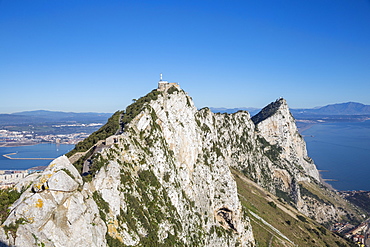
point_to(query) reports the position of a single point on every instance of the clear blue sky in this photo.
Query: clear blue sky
(99, 55)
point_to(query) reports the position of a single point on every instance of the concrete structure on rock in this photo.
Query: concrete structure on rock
(164, 85)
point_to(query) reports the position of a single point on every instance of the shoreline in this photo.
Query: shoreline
(306, 127)
(12, 158)
(329, 186)
(18, 144)
(326, 145)
(25, 144)
(305, 124)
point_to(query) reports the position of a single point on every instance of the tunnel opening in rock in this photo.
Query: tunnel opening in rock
(225, 217)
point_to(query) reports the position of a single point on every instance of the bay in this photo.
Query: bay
(45, 150)
(343, 149)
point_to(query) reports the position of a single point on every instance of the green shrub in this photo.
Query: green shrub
(272, 204)
(273, 151)
(13, 227)
(322, 230)
(103, 206)
(110, 128)
(166, 177)
(306, 192)
(7, 198)
(97, 163)
(68, 173)
(113, 242)
(172, 89)
(188, 101)
(135, 108)
(147, 177)
(302, 218)
(284, 195)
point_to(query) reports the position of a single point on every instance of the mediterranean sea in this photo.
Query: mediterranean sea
(45, 150)
(342, 150)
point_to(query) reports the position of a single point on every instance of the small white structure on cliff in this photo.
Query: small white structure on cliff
(164, 85)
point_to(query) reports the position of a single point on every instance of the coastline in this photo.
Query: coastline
(18, 144)
(8, 156)
(305, 126)
(323, 181)
(29, 156)
(343, 149)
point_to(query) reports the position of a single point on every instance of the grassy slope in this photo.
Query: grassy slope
(327, 196)
(299, 229)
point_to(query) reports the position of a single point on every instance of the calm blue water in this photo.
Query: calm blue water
(344, 150)
(47, 150)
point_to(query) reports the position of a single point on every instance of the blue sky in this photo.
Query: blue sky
(96, 56)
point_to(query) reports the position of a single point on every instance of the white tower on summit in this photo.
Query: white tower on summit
(164, 85)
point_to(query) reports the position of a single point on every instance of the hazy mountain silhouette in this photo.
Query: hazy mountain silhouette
(349, 108)
(42, 116)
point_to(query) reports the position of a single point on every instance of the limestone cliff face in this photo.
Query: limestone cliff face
(277, 125)
(166, 179)
(168, 193)
(55, 210)
(155, 185)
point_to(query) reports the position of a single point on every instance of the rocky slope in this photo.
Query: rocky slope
(166, 180)
(301, 182)
(55, 210)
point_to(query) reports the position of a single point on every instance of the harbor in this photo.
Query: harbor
(8, 156)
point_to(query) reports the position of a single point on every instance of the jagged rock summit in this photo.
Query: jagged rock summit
(165, 178)
(277, 125)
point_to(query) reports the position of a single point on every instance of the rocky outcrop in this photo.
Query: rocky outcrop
(55, 210)
(166, 179)
(300, 178)
(277, 125)
(168, 193)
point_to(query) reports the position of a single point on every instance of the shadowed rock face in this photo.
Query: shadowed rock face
(166, 179)
(268, 111)
(226, 218)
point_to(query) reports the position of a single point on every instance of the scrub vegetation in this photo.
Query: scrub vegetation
(302, 231)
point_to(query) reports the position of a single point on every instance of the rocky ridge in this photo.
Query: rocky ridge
(167, 179)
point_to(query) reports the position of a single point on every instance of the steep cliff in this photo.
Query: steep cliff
(166, 179)
(276, 124)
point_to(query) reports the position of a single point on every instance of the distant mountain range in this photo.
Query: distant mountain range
(349, 108)
(42, 116)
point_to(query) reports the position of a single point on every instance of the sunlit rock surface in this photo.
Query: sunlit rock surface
(167, 179)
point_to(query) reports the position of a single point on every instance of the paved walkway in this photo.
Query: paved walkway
(271, 227)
